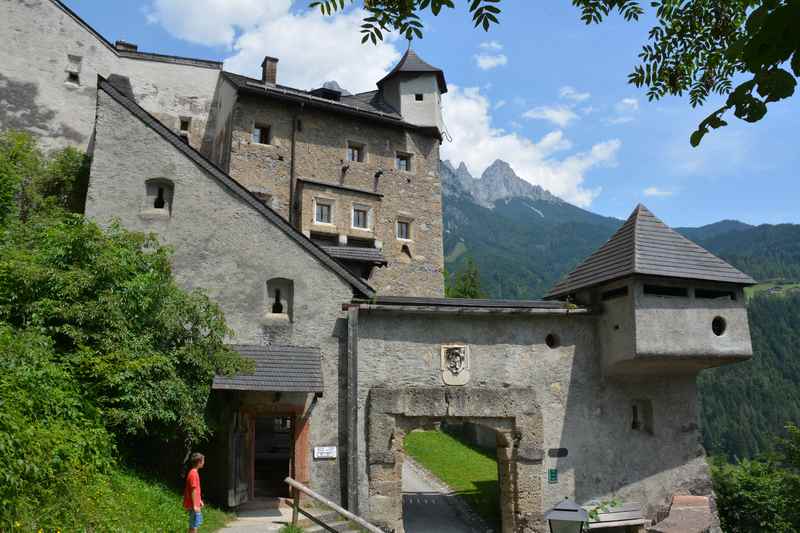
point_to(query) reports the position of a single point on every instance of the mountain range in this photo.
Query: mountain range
(523, 239)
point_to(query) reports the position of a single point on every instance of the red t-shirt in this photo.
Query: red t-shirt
(192, 483)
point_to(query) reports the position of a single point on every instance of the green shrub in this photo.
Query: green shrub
(289, 528)
(52, 442)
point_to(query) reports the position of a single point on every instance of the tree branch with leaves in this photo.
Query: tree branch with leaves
(697, 47)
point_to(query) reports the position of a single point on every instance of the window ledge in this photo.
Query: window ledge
(154, 214)
(275, 319)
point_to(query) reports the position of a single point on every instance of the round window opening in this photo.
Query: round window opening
(718, 326)
(552, 340)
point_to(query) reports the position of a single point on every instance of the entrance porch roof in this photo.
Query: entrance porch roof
(278, 369)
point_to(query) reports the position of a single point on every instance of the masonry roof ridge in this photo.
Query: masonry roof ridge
(234, 186)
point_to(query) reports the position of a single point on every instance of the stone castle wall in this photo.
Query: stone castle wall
(227, 249)
(321, 154)
(43, 43)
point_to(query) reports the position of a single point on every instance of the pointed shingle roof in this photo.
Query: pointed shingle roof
(644, 245)
(412, 63)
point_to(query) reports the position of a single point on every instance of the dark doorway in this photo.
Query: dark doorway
(273, 452)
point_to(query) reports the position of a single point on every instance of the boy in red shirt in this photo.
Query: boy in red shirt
(192, 500)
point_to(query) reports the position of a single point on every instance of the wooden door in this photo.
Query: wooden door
(240, 460)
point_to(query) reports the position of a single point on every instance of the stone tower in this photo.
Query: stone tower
(415, 89)
(668, 305)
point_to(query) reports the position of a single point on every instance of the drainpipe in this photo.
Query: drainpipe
(352, 409)
(292, 177)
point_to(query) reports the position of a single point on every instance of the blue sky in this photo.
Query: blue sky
(552, 98)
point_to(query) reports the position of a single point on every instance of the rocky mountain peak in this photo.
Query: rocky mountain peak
(498, 182)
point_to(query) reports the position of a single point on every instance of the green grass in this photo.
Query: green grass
(125, 502)
(469, 471)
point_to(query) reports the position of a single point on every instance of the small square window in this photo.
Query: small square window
(403, 162)
(73, 77)
(355, 152)
(323, 213)
(261, 135)
(419, 97)
(185, 123)
(360, 218)
(404, 230)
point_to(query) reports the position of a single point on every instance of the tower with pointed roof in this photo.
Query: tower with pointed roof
(668, 305)
(415, 88)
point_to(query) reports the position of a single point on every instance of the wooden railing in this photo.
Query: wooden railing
(298, 488)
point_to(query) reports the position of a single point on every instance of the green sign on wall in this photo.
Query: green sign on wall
(552, 475)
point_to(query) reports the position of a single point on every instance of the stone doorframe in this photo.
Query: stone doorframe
(513, 413)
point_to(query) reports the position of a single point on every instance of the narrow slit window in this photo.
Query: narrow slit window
(664, 290)
(711, 294)
(160, 202)
(277, 306)
(614, 293)
(642, 416)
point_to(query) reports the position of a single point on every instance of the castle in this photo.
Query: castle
(314, 219)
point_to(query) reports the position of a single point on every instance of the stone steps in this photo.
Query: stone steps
(331, 518)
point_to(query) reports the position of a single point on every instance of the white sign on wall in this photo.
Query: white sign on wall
(324, 452)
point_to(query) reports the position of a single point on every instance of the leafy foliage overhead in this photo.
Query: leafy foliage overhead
(699, 47)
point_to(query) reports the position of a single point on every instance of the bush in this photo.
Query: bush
(761, 494)
(52, 441)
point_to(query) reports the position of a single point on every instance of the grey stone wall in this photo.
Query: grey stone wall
(321, 152)
(41, 43)
(589, 416)
(226, 248)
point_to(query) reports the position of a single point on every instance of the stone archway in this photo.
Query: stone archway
(513, 413)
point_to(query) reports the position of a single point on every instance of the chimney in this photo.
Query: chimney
(269, 70)
(124, 46)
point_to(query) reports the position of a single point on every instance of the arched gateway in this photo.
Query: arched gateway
(513, 414)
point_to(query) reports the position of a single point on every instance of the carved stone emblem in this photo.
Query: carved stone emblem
(455, 364)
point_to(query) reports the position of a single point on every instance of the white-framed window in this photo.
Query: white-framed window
(356, 152)
(404, 229)
(362, 216)
(262, 134)
(323, 211)
(402, 161)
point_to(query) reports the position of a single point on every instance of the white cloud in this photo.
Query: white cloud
(491, 45)
(570, 93)
(490, 61)
(559, 115)
(627, 105)
(626, 111)
(499, 104)
(656, 192)
(252, 29)
(478, 144)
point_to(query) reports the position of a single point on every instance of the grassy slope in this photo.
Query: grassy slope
(125, 502)
(469, 471)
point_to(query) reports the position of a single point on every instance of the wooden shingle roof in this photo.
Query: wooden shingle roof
(278, 369)
(644, 245)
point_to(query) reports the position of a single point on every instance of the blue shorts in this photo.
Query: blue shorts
(195, 519)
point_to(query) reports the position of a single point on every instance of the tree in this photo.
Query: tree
(466, 283)
(697, 46)
(144, 350)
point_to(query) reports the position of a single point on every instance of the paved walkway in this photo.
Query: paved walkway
(258, 518)
(429, 507)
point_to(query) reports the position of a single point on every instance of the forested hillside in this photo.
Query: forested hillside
(523, 244)
(745, 405)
